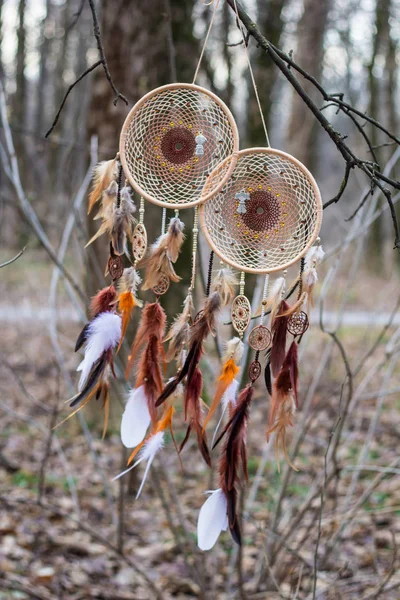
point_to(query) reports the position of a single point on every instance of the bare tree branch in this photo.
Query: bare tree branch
(286, 65)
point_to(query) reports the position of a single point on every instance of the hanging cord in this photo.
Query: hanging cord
(252, 75)
(206, 38)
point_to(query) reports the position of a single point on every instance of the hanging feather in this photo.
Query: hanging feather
(103, 301)
(296, 307)
(152, 324)
(178, 334)
(162, 254)
(97, 365)
(104, 173)
(310, 277)
(103, 334)
(204, 325)
(127, 288)
(107, 202)
(135, 419)
(193, 414)
(213, 519)
(230, 368)
(225, 282)
(233, 455)
(279, 334)
(147, 345)
(284, 402)
(118, 223)
(273, 300)
(150, 447)
(228, 401)
(267, 372)
(123, 223)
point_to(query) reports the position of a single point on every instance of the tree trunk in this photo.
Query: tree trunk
(265, 73)
(309, 54)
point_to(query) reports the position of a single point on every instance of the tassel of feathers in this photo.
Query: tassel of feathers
(141, 406)
(149, 447)
(117, 221)
(163, 253)
(230, 368)
(204, 325)
(104, 173)
(127, 300)
(219, 511)
(310, 277)
(284, 402)
(178, 334)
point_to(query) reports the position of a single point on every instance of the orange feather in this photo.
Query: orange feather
(228, 373)
(126, 304)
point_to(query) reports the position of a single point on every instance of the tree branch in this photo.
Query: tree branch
(286, 64)
(101, 61)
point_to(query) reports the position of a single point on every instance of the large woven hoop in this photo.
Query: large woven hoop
(158, 147)
(282, 217)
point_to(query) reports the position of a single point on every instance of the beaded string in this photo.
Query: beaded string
(163, 220)
(119, 182)
(194, 248)
(209, 274)
(141, 221)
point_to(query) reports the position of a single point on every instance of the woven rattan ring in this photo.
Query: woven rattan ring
(171, 141)
(266, 216)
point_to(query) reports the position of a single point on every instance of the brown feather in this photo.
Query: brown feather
(152, 323)
(103, 301)
(162, 254)
(279, 333)
(104, 173)
(193, 413)
(234, 453)
(199, 331)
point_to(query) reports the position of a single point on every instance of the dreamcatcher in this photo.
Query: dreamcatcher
(260, 212)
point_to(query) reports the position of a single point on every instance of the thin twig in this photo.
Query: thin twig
(8, 262)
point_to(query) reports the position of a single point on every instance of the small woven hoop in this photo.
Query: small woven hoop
(158, 146)
(283, 211)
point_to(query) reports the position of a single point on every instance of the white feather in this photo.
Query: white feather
(277, 287)
(104, 332)
(135, 419)
(229, 397)
(313, 257)
(310, 277)
(148, 452)
(319, 254)
(230, 394)
(212, 520)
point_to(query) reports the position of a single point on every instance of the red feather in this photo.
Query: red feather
(279, 333)
(291, 363)
(233, 454)
(103, 301)
(151, 324)
(199, 332)
(192, 404)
